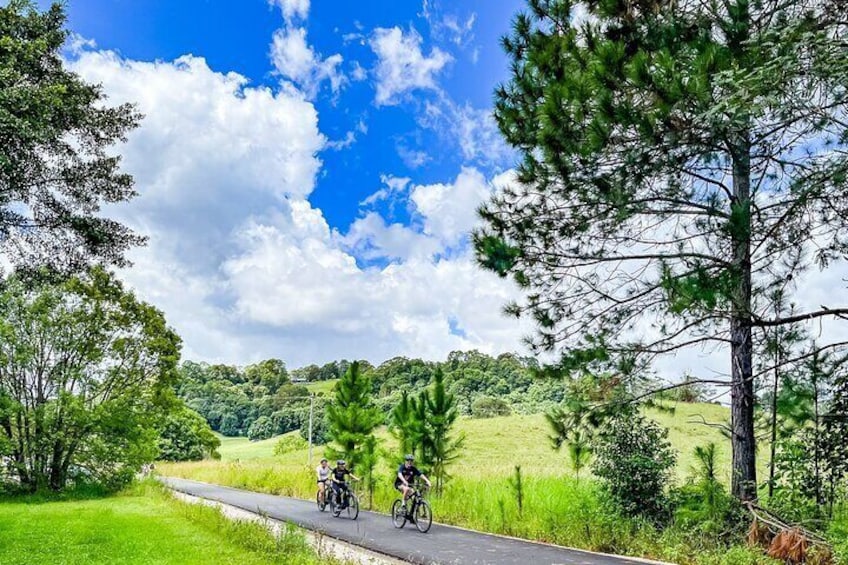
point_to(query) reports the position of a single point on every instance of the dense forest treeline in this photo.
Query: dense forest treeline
(266, 398)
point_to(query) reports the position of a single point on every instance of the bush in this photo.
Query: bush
(488, 407)
(289, 443)
(186, 436)
(634, 460)
(261, 428)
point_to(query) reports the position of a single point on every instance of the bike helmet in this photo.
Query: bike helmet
(323, 461)
(341, 462)
(409, 457)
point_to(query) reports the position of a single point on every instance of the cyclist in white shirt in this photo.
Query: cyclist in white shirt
(323, 471)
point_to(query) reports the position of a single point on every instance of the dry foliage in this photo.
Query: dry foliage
(789, 546)
(759, 534)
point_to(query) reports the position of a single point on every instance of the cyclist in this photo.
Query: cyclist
(406, 473)
(323, 472)
(338, 475)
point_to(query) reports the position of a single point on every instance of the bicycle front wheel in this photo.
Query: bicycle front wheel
(423, 517)
(352, 507)
(398, 514)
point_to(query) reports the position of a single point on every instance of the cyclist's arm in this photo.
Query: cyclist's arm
(426, 480)
(402, 480)
(354, 477)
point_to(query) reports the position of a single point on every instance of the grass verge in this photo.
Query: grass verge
(141, 525)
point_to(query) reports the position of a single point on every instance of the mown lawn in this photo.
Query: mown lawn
(140, 526)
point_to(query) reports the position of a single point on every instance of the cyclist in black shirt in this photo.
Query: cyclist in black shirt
(339, 476)
(406, 473)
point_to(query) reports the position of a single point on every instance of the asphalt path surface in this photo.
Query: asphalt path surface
(441, 545)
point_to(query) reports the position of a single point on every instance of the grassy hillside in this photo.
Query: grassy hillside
(141, 526)
(322, 387)
(241, 448)
(494, 446)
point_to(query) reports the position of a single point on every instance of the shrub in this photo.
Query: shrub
(634, 460)
(489, 407)
(289, 443)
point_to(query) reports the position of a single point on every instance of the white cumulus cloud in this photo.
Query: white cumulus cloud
(242, 264)
(402, 66)
(292, 9)
(295, 60)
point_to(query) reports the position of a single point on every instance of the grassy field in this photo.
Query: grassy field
(321, 387)
(241, 448)
(143, 525)
(495, 446)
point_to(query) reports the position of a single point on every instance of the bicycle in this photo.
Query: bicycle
(321, 501)
(349, 502)
(419, 513)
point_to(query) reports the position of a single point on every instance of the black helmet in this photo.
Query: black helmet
(409, 457)
(341, 462)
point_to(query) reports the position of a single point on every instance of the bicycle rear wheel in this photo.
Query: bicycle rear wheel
(335, 505)
(352, 506)
(398, 514)
(423, 516)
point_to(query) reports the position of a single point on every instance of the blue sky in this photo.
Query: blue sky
(235, 37)
(308, 171)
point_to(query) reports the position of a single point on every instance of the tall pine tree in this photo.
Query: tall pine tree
(681, 160)
(352, 417)
(442, 413)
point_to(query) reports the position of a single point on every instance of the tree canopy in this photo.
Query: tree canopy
(56, 167)
(86, 374)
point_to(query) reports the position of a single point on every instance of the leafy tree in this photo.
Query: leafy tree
(352, 417)
(634, 460)
(680, 161)
(320, 428)
(57, 167)
(261, 428)
(86, 372)
(270, 374)
(186, 436)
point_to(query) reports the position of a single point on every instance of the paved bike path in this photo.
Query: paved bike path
(442, 545)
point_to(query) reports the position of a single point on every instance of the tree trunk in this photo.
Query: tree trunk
(743, 441)
(774, 410)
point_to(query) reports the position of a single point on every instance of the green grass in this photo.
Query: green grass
(241, 448)
(142, 525)
(321, 387)
(494, 446)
